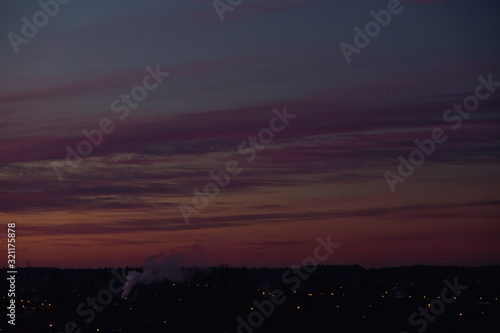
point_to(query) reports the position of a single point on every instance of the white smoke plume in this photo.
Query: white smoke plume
(161, 267)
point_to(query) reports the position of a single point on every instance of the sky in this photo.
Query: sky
(204, 82)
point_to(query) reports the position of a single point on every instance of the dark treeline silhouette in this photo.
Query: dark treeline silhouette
(227, 299)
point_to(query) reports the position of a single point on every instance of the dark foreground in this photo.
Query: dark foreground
(222, 299)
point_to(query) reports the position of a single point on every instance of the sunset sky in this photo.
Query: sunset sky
(323, 174)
